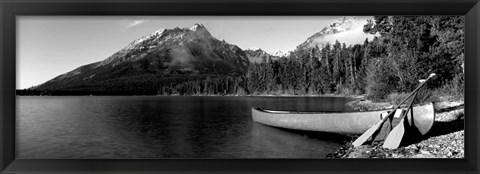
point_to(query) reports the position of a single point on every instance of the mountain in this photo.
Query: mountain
(348, 30)
(164, 57)
(257, 55)
(279, 53)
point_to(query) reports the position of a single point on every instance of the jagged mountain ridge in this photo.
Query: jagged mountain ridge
(178, 51)
(279, 53)
(257, 55)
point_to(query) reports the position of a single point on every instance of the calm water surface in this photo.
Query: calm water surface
(165, 127)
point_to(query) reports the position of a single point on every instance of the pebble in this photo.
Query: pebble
(424, 152)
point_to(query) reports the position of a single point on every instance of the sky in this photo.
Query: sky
(48, 46)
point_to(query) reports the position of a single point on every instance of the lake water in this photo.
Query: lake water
(166, 127)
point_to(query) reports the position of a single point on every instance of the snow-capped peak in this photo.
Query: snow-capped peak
(347, 29)
(154, 34)
(159, 32)
(279, 53)
(254, 48)
(346, 19)
(343, 24)
(196, 26)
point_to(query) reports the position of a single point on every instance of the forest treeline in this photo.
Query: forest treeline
(405, 49)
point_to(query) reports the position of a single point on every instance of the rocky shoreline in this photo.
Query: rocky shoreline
(445, 139)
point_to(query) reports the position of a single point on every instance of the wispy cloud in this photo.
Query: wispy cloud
(135, 23)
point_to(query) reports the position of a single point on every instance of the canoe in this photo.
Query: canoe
(423, 118)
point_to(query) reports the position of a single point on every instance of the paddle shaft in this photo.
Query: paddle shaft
(410, 95)
(409, 107)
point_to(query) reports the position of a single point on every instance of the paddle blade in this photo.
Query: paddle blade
(367, 134)
(395, 137)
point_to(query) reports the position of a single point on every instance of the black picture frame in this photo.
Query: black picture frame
(9, 9)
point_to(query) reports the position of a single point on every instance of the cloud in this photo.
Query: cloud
(135, 23)
(351, 37)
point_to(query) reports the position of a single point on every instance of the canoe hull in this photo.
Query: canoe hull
(343, 123)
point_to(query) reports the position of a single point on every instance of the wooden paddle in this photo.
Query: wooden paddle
(367, 134)
(396, 135)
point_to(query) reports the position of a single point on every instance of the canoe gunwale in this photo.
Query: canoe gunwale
(355, 122)
(314, 112)
(325, 112)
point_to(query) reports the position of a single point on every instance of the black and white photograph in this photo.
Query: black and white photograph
(239, 87)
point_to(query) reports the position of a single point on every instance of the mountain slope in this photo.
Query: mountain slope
(161, 58)
(257, 55)
(348, 30)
